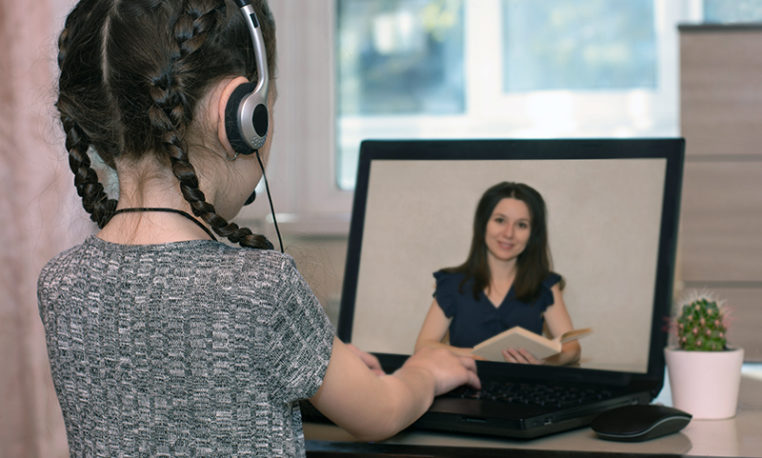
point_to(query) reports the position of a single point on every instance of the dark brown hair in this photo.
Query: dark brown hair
(131, 75)
(532, 265)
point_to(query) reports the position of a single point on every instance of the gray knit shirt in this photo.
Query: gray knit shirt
(182, 349)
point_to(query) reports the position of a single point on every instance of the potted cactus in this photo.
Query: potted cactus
(704, 373)
(701, 326)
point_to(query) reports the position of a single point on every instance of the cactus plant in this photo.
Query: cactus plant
(701, 326)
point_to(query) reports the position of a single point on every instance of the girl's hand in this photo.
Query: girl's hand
(520, 356)
(373, 407)
(449, 369)
(369, 360)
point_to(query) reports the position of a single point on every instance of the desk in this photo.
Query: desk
(739, 436)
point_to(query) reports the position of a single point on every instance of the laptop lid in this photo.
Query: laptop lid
(613, 209)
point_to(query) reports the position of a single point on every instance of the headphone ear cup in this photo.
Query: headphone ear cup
(233, 119)
(260, 119)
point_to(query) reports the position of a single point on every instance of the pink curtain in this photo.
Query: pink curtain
(39, 216)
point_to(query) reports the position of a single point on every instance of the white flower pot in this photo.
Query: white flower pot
(705, 383)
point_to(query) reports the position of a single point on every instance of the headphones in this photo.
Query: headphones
(246, 116)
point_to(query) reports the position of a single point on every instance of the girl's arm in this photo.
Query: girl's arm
(374, 407)
(434, 329)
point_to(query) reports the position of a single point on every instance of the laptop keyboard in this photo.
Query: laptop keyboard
(540, 394)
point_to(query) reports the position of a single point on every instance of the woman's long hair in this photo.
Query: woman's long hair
(132, 73)
(533, 264)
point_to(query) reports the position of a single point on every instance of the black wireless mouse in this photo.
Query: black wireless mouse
(635, 423)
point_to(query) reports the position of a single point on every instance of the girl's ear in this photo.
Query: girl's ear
(222, 104)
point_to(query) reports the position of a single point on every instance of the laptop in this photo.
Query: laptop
(613, 210)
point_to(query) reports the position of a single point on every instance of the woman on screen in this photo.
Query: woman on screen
(506, 281)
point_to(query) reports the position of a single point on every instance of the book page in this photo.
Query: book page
(517, 337)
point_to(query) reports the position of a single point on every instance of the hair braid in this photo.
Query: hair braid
(172, 111)
(94, 199)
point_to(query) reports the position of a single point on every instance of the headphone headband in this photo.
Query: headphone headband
(246, 115)
(260, 54)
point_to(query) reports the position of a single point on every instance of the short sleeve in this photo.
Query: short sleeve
(299, 339)
(546, 298)
(447, 291)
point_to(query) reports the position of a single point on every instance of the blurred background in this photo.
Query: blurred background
(355, 69)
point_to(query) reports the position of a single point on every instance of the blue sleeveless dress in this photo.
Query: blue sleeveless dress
(476, 320)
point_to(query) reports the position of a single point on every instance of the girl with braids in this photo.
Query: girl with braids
(506, 281)
(161, 339)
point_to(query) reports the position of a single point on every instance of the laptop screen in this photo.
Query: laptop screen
(612, 210)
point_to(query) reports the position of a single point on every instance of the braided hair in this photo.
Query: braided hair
(131, 74)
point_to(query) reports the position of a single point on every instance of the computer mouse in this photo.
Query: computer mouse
(635, 423)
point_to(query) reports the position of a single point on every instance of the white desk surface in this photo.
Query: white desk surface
(738, 436)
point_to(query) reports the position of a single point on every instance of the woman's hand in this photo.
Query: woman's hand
(520, 356)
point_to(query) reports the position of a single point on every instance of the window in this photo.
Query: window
(400, 57)
(502, 68)
(395, 60)
(733, 11)
(355, 69)
(593, 45)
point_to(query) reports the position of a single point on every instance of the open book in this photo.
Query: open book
(518, 337)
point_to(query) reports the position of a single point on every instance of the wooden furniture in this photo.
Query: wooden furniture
(721, 220)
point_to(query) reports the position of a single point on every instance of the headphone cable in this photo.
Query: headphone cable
(269, 199)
